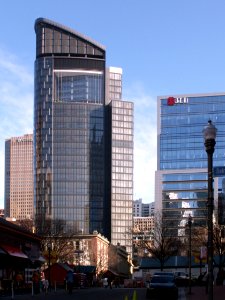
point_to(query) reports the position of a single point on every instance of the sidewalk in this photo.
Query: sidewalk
(199, 293)
(59, 294)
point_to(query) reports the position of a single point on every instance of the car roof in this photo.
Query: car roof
(163, 274)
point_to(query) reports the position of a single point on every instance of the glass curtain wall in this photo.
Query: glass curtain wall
(182, 164)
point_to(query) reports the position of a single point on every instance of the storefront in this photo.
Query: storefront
(19, 252)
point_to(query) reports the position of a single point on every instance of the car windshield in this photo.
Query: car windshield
(162, 279)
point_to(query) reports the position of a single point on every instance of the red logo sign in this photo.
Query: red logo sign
(171, 101)
(181, 100)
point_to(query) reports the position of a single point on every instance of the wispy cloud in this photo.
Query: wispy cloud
(16, 100)
(145, 141)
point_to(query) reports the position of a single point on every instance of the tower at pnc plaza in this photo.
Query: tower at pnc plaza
(83, 137)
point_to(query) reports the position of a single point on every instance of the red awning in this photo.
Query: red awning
(13, 251)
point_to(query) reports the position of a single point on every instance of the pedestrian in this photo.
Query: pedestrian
(69, 281)
(36, 282)
(116, 282)
(45, 285)
(105, 282)
(110, 283)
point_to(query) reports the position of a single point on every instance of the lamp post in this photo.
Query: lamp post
(49, 263)
(209, 134)
(189, 256)
(79, 252)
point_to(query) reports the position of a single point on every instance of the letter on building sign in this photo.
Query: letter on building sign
(171, 101)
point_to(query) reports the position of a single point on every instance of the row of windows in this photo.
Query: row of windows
(191, 156)
(184, 177)
(114, 83)
(74, 215)
(53, 41)
(184, 195)
(74, 176)
(122, 124)
(86, 121)
(119, 130)
(123, 184)
(115, 96)
(124, 146)
(121, 199)
(79, 199)
(122, 176)
(79, 87)
(120, 156)
(78, 110)
(122, 163)
(115, 76)
(122, 118)
(177, 216)
(122, 152)
(120, 190)
(122, 137)
(180, 155)
(122, 111)
(185, 204)
(121, 214)
(182, 165)
(123, 105)
(74, 189)
(76, 204)
(122, 170)
(82, 151)
(178, 130)
(76, 128)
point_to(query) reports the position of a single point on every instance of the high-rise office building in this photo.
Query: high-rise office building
(181, 177)
(19, 177)
(141, 209)
(83, 137)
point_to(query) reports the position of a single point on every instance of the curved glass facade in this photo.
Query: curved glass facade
(181, 177)
(83, 142)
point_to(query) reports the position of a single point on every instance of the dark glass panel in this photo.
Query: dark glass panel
(81, 47)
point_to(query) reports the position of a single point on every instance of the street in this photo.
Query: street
(93, 294)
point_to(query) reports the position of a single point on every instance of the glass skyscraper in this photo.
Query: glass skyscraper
(181, 176)
(83, 136)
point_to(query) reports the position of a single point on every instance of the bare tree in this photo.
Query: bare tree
(163, 244)
(57, 241)
(219, 245)
(27, 224)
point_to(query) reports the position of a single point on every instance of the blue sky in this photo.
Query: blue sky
(164, 48)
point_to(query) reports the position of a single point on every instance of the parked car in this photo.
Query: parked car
(162, 286)
(165, 273)
(182, 278)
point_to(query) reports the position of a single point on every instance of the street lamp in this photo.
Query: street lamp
(79, 252)
(209, 134)
(189, 256)
(49, 263)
